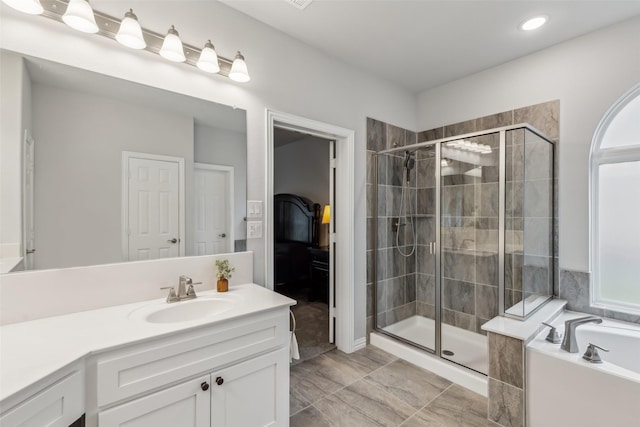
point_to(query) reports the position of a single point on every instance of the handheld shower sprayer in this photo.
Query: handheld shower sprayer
(409, 163)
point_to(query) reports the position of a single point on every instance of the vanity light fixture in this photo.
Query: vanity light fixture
(534, 23)
(172, 48)
(130, 32)
(208, 61)
(239, 72)
(79, 16)
(32, 7)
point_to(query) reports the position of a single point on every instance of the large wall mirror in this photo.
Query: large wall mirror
(98, 170)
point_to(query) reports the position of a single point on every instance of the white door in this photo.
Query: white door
(28, 233)
(254, 393)
(153, 216)
(184, 405)
(213, 209)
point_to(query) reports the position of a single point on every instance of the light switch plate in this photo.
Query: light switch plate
(254, 229)
(254, 208)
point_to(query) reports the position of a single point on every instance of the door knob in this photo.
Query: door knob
(219, 380)
(174, 240)
(223, 235)
(204, 386)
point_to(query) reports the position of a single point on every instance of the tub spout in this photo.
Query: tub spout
(569, 342)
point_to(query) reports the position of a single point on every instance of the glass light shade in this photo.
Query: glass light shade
(172, 47)
(208, 59)
(239, 72)
(32, 7)
(79, 16)
(130, 32)
(326, 215)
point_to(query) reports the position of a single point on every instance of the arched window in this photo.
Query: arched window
(615, 207)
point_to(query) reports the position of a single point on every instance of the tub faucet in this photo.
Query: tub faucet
(569, 342)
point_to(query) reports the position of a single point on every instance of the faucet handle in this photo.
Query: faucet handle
(191, 292)
(592, 355)
(172, 297)
(553, 335)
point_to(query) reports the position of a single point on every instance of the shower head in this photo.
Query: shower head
(409, 163)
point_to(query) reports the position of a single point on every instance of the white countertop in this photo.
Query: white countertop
(30, 351)
(525, 329)
(8, 264)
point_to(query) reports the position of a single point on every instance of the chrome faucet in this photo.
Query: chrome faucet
(569, 342)
(185, 290)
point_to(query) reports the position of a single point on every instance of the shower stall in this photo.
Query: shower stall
(464, 233)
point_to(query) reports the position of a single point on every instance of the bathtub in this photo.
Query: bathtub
(564, 390)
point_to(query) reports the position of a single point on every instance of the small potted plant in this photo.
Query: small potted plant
(223, 274)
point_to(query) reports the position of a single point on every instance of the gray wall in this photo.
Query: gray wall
(217, 146)
(80, 139)
(302, 168)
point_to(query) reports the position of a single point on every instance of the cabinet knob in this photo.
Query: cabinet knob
(204, 386)
(219, 381)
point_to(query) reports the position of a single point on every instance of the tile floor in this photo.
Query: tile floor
(373, 388)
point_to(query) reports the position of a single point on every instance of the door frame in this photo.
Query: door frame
(27, 251)
(230, 188)
(124, 221)
(345, 288)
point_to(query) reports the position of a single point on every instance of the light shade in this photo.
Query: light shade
(32, 7)
(239, 72)
(79, 16)
(130, 32)
(208, 59)
(172, 47)
(534, 23)
(326, 214)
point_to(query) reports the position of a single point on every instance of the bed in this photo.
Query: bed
(296, 221)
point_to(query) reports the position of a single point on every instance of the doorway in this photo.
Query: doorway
(213, 197)
(343, 312)
(303, 189)
(153, 205)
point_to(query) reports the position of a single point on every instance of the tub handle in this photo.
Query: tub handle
(591, 355)
(553, 335)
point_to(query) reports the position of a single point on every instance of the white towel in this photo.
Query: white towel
(295, 353)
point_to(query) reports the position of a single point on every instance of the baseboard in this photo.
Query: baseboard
(360, 343)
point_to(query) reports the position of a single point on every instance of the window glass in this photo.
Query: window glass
(624, 129)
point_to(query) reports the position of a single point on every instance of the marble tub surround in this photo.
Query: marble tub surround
(373, 388)
(507, 362)
(575, 288)
(27, 295)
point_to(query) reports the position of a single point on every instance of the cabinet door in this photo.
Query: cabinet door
(184, 405)
(253, 393)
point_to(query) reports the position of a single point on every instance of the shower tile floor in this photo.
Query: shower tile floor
(373, 388)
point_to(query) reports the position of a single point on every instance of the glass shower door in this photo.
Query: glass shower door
(469, 246)
(405, 245)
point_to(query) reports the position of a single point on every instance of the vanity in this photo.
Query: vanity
(219, 360)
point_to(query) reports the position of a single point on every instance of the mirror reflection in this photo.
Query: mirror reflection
(99, 170)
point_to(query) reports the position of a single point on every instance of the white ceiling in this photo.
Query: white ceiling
(421, 44)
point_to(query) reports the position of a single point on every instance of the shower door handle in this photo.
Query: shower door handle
(431, 248)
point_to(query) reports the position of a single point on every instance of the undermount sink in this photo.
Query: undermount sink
(183, 311)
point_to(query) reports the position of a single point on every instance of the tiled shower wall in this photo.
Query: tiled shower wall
(396, 296)
(381, 136)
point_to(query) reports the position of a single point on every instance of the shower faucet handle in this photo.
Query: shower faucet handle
(553, 335)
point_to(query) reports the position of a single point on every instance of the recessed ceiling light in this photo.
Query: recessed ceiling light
(534, 23)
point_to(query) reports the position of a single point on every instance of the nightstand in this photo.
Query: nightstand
(319, 289)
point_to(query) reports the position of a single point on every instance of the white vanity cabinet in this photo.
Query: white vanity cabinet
(232, 374)
(56, 402)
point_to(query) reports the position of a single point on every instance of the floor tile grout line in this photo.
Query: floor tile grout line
(427, 404)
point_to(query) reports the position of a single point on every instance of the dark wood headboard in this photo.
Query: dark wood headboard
(296, 219)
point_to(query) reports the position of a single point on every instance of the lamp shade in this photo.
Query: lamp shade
(79, 16)
(326, 214)
(32, 7)
(239, 72)
(208, 59)
(172, 48)
(130, 32)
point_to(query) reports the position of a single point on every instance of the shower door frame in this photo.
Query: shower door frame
(437, 350)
